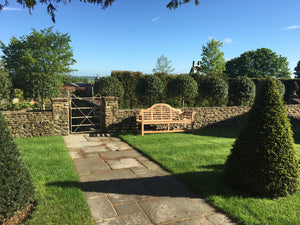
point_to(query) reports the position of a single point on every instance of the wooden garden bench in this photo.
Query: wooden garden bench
(164, 114)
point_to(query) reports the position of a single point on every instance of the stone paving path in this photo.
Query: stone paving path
(122, 186)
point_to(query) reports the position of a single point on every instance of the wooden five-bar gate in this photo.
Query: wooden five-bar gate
(85, 115)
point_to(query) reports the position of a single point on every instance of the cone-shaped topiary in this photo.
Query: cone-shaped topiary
(16, 186)
(263, 159)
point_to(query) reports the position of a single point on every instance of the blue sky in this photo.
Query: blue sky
(132, 34)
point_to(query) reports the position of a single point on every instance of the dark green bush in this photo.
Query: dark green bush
(150, 88)
(16, 186)
(109, 86)
(184, 86)
(241, 91)
(263, 159)
(129, 81)
(290, 87)
(213, 90)
(5, 86)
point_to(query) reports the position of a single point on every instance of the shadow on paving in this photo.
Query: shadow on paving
(206, 183)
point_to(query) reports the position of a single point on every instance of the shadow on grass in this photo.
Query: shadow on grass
(200, 184)
(218, 132)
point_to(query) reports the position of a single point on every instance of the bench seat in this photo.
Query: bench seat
(164, 114)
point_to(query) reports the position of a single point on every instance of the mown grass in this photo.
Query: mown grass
(198, 160)
(48, 162)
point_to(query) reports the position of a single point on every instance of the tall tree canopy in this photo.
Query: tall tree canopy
(53, 4)
(260, 63)
(212, 58)
(37, 62)
(297, 70)
(163, 65)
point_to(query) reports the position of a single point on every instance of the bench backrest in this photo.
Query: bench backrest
(160, 111)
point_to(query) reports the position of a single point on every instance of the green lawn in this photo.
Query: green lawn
(199, 159)
(50, 165)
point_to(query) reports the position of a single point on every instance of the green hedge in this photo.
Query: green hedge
(212, 90)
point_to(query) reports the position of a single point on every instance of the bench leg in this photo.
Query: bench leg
(142, 129)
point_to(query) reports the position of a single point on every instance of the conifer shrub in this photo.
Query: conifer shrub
(214, 90)
(263, 159)
(16, 185)
(109, 86)
(241, 91)
(150, 88)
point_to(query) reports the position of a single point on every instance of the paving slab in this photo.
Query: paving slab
(165, 185)
(219, 219)
(128, 191)
(118, 146)
(140, 169)
(113, 175)
(89, 165)
(192, 221)
(151, 165)
(99, 139)
(120, 154)
(123, 163)
(101, 208)
(139, 219)
(93, 149)
(127, 209)
(75, 154)
(167, 209)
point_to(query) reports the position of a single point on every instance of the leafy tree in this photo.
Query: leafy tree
(16, 185)
(213, 90)
(260, 63)
(5, 83)
(163, 65)
(150, 88)
(184, 86)
(51, 5)
(212, 60)
(297, 70)
(38, 62)
(109, 86)
(241, 91)
(263, 159)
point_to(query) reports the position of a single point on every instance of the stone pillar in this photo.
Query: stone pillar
(109, 112)
(60, 110)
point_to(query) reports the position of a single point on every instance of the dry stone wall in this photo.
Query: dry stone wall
(36, 124)
(124, 119)
(29, 124)
(115, 120)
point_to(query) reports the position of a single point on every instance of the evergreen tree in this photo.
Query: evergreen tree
(263, 159)
(16, 186)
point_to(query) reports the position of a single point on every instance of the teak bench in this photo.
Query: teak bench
(164, 114)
